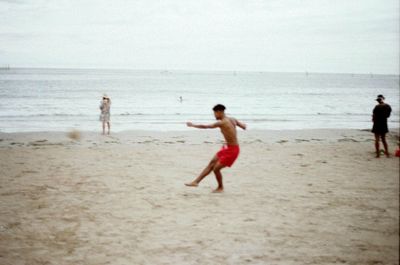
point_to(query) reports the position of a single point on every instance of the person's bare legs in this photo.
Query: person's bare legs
(104, 127)
(377, 145)
(385, 145)
(204, 173)
(217, 171)
(108, 125)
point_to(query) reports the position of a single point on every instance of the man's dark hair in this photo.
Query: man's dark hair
(219, 107)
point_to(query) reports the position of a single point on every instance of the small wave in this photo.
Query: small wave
(340, 114)
(44, 115)
(130, 114)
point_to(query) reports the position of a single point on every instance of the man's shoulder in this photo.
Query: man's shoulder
(382, 106)
(229, 119)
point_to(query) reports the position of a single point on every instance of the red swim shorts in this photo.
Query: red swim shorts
(228, 154)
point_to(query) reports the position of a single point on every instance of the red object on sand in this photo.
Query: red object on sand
(397, 153)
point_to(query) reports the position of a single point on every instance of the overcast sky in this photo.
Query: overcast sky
(355, 36)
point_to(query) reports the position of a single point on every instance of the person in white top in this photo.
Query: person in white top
(105, 105)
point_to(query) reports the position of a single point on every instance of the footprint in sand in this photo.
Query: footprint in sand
(43, 143)
(12, 225)
(16, 143)
(112, 142)
(30, 171)
(348, 140)
(145, 142)
(301, 140)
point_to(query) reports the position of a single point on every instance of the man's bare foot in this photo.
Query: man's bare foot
(218, 190)
(192, 184)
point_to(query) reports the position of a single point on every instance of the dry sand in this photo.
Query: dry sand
(293, 197)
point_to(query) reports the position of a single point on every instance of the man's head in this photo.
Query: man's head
(219, 111)
(380, 98)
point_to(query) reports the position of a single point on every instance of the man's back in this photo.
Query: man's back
(382, 112)
(228, 129)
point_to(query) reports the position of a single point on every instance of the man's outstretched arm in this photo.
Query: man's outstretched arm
(203, 126)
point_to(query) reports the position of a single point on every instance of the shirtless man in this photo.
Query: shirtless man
(229, 152)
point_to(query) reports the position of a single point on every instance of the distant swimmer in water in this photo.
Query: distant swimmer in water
(380, 128)
(228, 153)
(181, 99)
(105, 105)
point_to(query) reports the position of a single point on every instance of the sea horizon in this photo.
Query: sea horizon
(182, 70)
(58, 99)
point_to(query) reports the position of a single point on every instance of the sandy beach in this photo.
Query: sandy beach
(293, 197)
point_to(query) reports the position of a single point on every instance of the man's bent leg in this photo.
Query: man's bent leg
(217, 171)
(204, 173)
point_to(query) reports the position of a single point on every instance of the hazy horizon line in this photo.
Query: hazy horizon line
(9, 67)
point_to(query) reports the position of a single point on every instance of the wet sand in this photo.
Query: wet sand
(293, 197)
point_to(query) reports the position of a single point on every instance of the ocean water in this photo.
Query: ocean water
(62, 99)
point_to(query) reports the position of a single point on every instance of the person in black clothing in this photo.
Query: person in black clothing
(380, 115)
